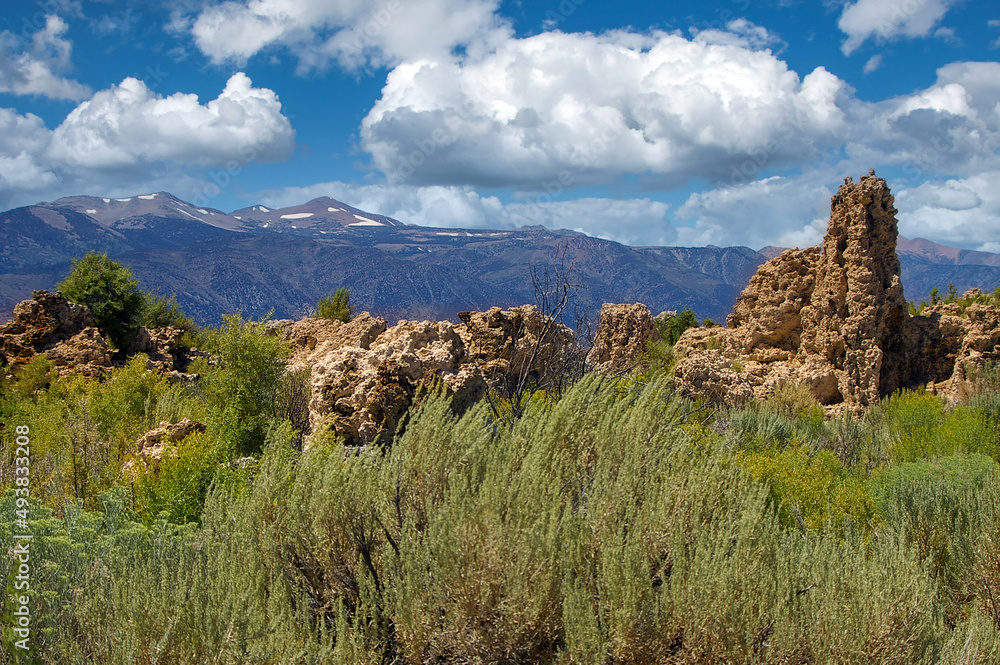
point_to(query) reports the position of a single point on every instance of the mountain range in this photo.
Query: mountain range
(282, 261)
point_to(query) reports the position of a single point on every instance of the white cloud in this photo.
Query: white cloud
(351, 33)
(128, 137)
(995, 24)
(787, 212)
(129, 125)
(961, 212)
(22, 139)
(873, 63)
(34, 69)
(575, 109)
(884, 20)
(951, 127)
(741, 32)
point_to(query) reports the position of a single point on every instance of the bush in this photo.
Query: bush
(245, 391)
(159, 311)
(336, 307)
(670, 328)
(914, 425)
(111, 293)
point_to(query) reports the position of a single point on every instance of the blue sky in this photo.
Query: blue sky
(725, 123)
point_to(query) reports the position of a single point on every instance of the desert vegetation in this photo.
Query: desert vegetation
(617, 522)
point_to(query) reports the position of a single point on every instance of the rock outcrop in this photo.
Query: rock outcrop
(153, 445)
(517, 346)
(363, 393)
(66, 334)
(364, 376)
(64, 331)
(623, 335)
(834, 318)
(165, 352)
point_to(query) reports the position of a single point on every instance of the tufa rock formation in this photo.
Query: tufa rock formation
(364, 376)
(623, 335)
(834, 319)
(517, 347)
(65, 332)
(62, 330)
(363, 392)
(153, 445)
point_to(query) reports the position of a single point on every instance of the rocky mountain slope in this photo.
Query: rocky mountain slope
(283, 261)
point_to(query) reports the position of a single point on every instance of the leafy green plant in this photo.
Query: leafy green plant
(33, 377)
(336, 307)
(110, 292)
(670, 328)
(159, 311)
(244, 392)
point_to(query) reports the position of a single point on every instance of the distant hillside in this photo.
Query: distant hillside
(283, 261)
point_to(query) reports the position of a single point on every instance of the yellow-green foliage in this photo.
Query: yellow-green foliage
(810, 488)
(177, 486)
(916, 425)
(244, 391)
(597, 529)
(82, 431)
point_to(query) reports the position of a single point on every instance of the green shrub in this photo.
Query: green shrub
(110, 292)
(336, 307)
(670, 328)
(244, 391)
(937, 507)
(616, 524)
(914, 425)
(159, 311)
(810, 490)
(33, 377)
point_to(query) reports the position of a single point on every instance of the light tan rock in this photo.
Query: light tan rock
(833, 318)
(318, 336)
(364, 393)
(85, 353)
(154, 444)
(163, 348)
(623, 335)
(518, 347)
(40, 324)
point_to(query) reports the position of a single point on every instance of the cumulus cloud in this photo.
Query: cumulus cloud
(129, 125)
(781, 211)
(881, 20)
(127, 136)
(574, 109)
(36, 68)
(962, 212)
(352, 33)
(951, 127)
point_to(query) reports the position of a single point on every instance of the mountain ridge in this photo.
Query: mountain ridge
(281, 261)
